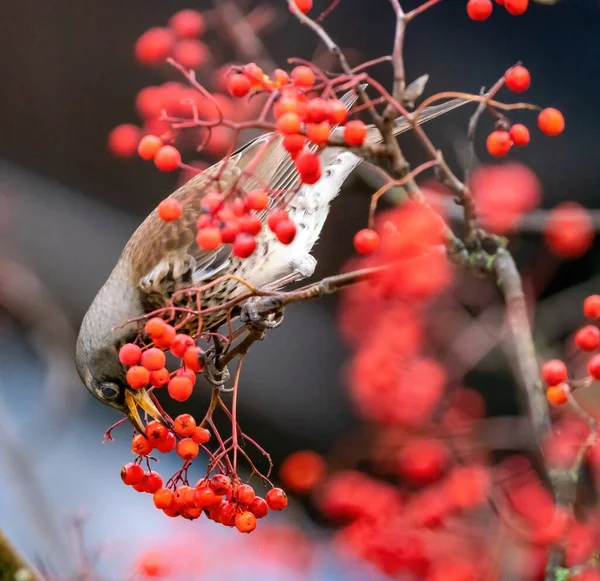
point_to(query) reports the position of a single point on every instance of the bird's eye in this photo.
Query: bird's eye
(109, 391)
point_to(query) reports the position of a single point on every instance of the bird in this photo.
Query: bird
(162, 258)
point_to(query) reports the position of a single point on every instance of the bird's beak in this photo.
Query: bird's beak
(141, 398)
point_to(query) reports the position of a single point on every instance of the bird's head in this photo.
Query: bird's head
(104, 376)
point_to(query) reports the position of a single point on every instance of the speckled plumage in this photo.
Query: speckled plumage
(163, 257)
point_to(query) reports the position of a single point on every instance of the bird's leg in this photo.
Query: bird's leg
(262, 312)
(216, 373)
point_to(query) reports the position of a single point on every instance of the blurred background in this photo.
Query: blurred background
(67, 207)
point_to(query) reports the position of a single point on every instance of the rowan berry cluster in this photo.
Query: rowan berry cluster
(223, 498)
(550, 120)
(482, 9)
(587, 339)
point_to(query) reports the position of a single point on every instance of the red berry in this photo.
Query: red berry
(275, 217)
(156, 431)
(250, 224)
(366, 241)
(246, 522)
(289, 124)
(591, 307)
(551, 121)
(588, 338)
(180, 388)
(167, 158)
(228, 513)
(285, 231)
(160, 377)
(163, 498)
(259, 507)
(123, 140)
(209, 238)
(170, 209)
(557, 394)
(317, 110)
(303, 77)
(257, 200)
(516, 7)
(302, 471)
(130, 354)
(244, 245)
(498, 143)
(554, 372)
(569, 230)
(594, 366)
(355, 133)
(184, 425)
(204, 497)
(220, 484)
(153, 359)
(308, 163)
(318, 133)
(187, 449)
(245, 494)
(181, 344)
(152, 482)
(239, 85)
(423, 461)
(289, 104)
(140, 445)
(154, 45)
(191, 53)
(165, 340)
(187, 24)
(194, 359)
(276, 499)
(138, 377)
(517, 79)
(155, 327)
(336, 112)
(201, 435)
(149, 146)
(294, 143)
(479, 9)
(229, 231)
(304, 6)
(519, 134)
(167, 444)
(132, 474)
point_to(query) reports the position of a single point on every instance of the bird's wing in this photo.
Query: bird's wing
(163, 255)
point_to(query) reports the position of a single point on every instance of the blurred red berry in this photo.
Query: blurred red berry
(557, 394)
(149, 146)
(244, 245)
(153, 359)
(154, 46)
(594, 366)
(569, 230)
(304, 5)
(285, 231)
(191, 53)
(123, 140)
(303, 77)
(591, 307)
(588, 338)
(516, 7)
(187, 24)
(301, 471)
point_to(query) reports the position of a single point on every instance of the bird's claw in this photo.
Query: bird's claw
(215, 376)
(262, 313)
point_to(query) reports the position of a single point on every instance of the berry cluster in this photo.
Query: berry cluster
(587, 339)
(550, 121)
(482, 9)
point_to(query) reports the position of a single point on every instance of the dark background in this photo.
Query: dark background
(67, 207)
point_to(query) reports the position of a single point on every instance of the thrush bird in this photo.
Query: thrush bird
(162, 257)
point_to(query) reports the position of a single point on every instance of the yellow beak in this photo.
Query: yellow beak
(141, 398)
